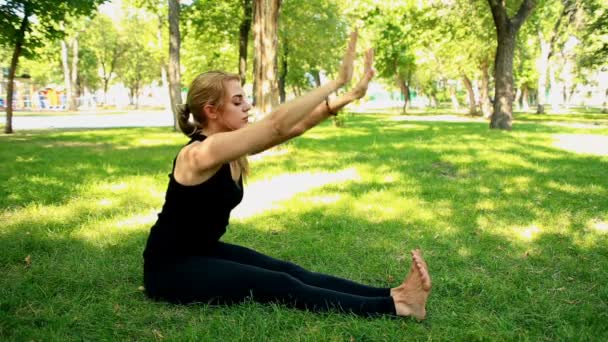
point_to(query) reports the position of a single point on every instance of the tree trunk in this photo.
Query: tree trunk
(175, 86)
(244, 39)
(434, 101)
(506, 31)
(73, 98)
(8, 128)
(525, 95)
(486, 107)
(554, 90)
(517, 98)
(163, 65)
(469, 87)
(283, 72)
(541, 66)
(503, 100)
(265, 31)
(405, 91)
(67, 79)
(453, 98)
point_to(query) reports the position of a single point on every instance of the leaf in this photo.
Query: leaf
(157, 334)
(28, 260)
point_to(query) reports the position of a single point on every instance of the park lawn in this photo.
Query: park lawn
(514, 227)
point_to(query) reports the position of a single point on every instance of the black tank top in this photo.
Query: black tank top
(193, 218)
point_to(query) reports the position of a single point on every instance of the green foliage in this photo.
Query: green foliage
(49, 15)
(210, 37)
(314, 46)
(138, 66)
(393, 24)
(593, 50)
(103, 40)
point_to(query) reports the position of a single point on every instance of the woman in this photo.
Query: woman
(184, 259)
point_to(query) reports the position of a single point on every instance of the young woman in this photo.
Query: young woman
(185, 261)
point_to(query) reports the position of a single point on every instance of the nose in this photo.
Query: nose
(247, 106)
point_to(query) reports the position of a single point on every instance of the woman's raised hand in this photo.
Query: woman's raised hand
(368, 72)
(346, 69)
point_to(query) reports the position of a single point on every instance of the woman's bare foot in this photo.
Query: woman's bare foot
(410, 297)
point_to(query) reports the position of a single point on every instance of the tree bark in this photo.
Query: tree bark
(175, 86)
(525, 95)
(73, 99)
(554, 90)
(8, 128)
(506, 31)
(486, 106)
(541, 65)
(517, 98)
(244, 39)
(453, 98)
(471, 93)
(265, 31)
(163, 65)
(405, 91)
(283, 72)
(67, 79)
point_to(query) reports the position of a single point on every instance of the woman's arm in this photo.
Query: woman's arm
(223, 147)
(321, 112)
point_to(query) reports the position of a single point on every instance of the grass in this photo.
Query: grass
(513, 226)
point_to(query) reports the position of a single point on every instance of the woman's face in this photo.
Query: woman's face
(234, 113)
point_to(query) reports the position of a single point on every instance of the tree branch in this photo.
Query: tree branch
(524, 10)
(499, 14)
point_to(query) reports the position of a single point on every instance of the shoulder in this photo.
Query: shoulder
(188, 170)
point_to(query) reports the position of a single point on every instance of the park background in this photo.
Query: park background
(513, 220)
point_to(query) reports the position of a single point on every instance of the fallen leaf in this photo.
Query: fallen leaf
(141, 288)
(157, 334)
(352, 339)
(390, 278)
(116, 308)
(28, 261)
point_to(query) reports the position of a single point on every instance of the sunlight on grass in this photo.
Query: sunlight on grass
(599, 226)
(582, 143)
(265, 195)
(527, 233)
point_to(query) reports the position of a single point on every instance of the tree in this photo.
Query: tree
(265, 38)
(244, 29)
(394, 48)
(506, 31)
(175, 86)
(159, 9)
(306, 50)
(102, 38)
(22, 33)
(138, 66)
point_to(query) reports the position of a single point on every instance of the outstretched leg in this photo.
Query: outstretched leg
(248, 256)
(217, 281)
(410, 297)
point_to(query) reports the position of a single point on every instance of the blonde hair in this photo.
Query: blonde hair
(208, 88)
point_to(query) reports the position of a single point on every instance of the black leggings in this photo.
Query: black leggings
(233, 273)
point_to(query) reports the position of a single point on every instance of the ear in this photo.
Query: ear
(210, 112)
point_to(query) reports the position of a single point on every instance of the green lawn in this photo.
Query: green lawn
(514, 226)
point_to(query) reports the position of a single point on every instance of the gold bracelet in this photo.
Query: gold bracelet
(331, 112)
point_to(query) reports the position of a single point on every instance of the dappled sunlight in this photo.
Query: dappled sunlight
(265, 195)
(443, 118)
(598, 226)
(95, 201)
(591, 189)
(111, 230)
(582, 143)
(527, 233)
